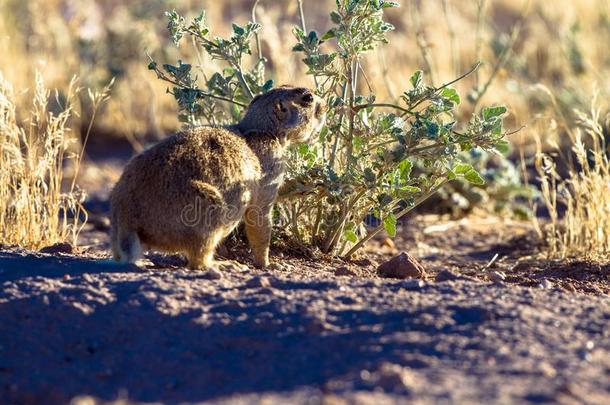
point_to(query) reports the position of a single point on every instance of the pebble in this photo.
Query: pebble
(344, 271)
(62, 247)
(546, 284)
(414, 285)
(569, 287)
(446, 275)
(402, 266)
(497, 276)
(212, 274)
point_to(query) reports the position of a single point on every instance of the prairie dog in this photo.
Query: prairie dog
(189, 191)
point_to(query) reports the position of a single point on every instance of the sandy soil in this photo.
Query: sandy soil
(311, 331)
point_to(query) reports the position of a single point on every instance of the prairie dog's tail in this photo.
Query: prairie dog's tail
(126, 247)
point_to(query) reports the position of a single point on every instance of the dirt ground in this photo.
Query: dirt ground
(311, 330)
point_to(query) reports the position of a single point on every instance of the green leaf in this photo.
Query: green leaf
(491, 112)
(388, 4)
(351, 236)
(298, 48)
(329, 35)
(267, 86)
(389, 224)
(238, 30)
(335, 17)
(502, 146)
(369, 176)
(312, 38)
(472, 176)
(405, 168)
(384, 199)
(416, 79)
(462, 168)
(451, 94)
(411, 189)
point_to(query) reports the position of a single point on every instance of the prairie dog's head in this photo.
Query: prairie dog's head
(294, 113)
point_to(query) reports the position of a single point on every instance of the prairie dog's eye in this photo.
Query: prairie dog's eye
(308, 98)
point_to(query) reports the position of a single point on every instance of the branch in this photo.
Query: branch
(200, 93)
(401, 214)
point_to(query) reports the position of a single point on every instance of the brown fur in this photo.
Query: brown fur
(191, 190)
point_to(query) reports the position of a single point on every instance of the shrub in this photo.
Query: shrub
(363, 161)
(36, 208)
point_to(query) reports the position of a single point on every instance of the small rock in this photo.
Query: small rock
(389, 243)
(569, 287)
(276, 266)
(497, 276)
(389, 377)
(212, 274)
(446, 275)
(344, 271)
(546, 284)
(257, 282)
(402, 266)
(414, 285)
(62, 247)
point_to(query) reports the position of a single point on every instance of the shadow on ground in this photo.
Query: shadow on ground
(72, 336)
(178, 336)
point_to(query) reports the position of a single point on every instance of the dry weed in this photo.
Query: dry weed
(35, 208)
(579, 201)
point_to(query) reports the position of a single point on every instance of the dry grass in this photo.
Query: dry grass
(583, 229)
(36, 207)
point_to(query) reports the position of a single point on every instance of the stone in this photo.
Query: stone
(212, 274)
(62, 247)
(344, 271)
(388, 243)
(497, 276)
(446, 275)
(546, 284)
(402, 266)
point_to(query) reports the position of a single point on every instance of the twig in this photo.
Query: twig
(302, 16)
(256, 37)
(401, 214)
(478, 38)
(455, 55)
(491, 262)
(502, 60)
(200, 93)
(422, 44)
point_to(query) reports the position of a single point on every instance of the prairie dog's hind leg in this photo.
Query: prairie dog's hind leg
(126, 247)
(202, 256)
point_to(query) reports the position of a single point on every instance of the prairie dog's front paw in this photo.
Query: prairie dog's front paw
(261, 263)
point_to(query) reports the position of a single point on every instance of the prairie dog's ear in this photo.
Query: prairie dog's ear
(287, 113)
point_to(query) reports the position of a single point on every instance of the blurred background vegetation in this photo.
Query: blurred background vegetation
(521, 43)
